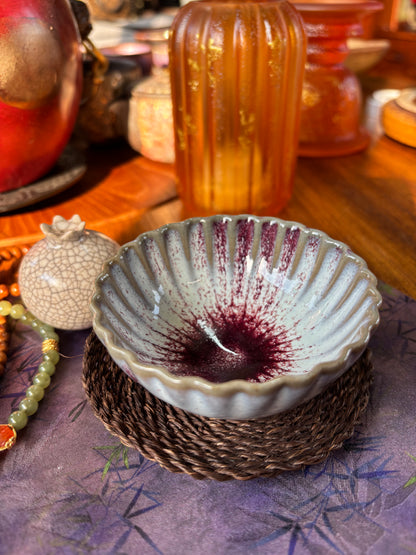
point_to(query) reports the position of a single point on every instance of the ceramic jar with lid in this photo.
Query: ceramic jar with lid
(150, 126)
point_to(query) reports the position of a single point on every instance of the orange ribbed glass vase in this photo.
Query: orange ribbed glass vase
(236, 74)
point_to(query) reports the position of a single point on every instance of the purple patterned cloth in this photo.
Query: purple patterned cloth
(68, 486)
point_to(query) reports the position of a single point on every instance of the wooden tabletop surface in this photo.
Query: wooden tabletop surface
(367, 200)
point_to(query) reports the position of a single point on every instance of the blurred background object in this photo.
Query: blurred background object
(363, 54)
(332, 96)
(119, 55)
(150, 122)
(157, 38)
(397, 23)
(373, 109)
(114, 9)
(138, 52)
(103, 113)
(399, 117)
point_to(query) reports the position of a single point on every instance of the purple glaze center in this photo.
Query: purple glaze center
(244, 349)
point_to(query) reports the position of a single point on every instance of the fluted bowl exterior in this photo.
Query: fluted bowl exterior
(235, 317)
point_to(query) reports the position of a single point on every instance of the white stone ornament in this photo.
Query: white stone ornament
(57, 275)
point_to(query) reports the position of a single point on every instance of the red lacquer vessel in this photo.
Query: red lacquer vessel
(40, 87)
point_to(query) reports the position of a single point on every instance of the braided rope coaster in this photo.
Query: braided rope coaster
(224, 449)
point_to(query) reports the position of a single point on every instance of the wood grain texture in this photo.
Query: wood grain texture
(369, 202)
(116, 190)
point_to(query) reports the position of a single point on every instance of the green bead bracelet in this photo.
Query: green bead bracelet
(40, 381)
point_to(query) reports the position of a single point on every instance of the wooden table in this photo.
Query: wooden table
(367, 200)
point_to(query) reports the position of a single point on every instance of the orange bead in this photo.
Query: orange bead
(3, 357)
(4, 291)
(16, 252)
(5, 254)
(14, 289)
(7, 436)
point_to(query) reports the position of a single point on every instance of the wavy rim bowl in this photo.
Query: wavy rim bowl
(170, 388)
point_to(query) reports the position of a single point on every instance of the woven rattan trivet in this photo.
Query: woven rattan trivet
(223, 449)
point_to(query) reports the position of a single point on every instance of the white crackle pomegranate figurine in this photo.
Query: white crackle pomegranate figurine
(57, 275)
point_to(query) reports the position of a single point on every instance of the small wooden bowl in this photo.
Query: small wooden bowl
(399, 118)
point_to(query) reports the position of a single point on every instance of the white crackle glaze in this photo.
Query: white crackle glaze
(57, 275)
(235, 317)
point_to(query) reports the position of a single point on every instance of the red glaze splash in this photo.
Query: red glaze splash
(245, 348)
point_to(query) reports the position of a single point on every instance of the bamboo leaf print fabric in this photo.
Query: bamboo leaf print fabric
(69, 487)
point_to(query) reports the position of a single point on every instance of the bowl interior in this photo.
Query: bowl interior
(231, 298)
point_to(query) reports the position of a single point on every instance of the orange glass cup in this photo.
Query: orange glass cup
(236, 74)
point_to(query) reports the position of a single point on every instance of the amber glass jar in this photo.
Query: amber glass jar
(236, 74)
